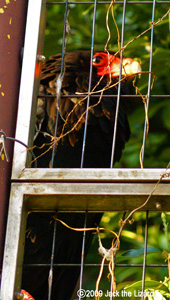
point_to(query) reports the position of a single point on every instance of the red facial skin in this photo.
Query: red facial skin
(108, 64)
(104, 63)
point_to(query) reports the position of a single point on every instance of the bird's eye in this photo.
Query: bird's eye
(97, 60)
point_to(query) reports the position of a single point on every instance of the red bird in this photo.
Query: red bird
(98, 147)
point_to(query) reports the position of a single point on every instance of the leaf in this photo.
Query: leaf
(161, 61)
(153, 290)
(149, 284)
(136, 252)
(123, 285)
(157, 296)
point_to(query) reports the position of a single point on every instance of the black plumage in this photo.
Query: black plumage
(101, 116)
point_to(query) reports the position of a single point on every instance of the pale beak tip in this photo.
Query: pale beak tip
(131, 68)
(136, 68)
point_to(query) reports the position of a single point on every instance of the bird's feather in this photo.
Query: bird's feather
(101, 117)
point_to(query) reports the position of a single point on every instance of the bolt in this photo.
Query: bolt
(158, 205)
(40, 58)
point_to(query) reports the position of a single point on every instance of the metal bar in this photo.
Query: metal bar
(149, 83)
(144, 256)
(90, 189)
(89, 87)
(96, 265)
(96, 96)
(28, 191)
(29, 84)
(13, 254)
(60, 77)
(92, 175)
(92, 197)
(141, 265)
(108, 2)
(50, 278)
(119, 88)
(82, 255)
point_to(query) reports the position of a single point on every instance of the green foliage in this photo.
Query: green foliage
(130, 253)
(165, 224)
(153, 290)
(136, 252)
(80, 21)
(157, 153)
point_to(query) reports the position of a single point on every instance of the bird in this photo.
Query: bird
(70, 108)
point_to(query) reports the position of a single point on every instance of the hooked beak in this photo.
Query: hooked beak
(130, 67)
(109, 64)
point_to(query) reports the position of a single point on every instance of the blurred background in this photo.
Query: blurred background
(138, 18)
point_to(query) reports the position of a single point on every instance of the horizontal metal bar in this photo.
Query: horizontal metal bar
(97, 96)
(141, 265)
(95, 265)
(108, 2)
(92, 197)
(91, 175)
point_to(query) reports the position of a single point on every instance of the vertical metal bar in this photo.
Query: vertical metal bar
(82, 254)
(60, 76)
(89, 88)
(50, 278)
(119, 87)
(144, 256)
(13, 254)
(29, 82)
(149, 81)
(119, 233)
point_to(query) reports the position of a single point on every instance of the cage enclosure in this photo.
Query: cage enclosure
(59, 179)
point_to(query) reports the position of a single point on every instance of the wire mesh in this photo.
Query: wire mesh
(132, 98)
(149, 80)
(61, 76)
(119, 87)
(50, 278)
(85, 282)
(145, 273)
(90, 79)
(145, 254)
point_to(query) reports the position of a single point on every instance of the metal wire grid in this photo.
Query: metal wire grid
(52, 265)
(90, 81)
(84, 264)
(108, 2)
(124, 3)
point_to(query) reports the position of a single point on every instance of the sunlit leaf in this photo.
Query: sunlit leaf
(149, 284)
(137, 252)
